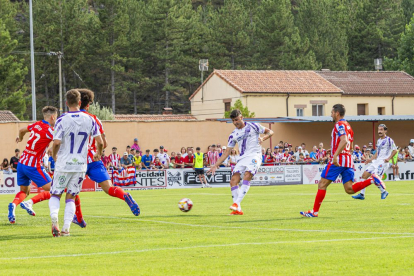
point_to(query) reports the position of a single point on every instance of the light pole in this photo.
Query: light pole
(32, 62)
(202, 66)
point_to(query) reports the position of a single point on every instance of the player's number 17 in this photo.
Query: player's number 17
(72, 141)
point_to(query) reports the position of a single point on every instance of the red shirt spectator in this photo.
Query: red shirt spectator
(213, 155)
(105, 159)
(188, 160)
(269, 160)
(114, 158)
(179, 161)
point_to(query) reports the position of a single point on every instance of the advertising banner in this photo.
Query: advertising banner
(277, 175)
(187, 178)
(8, 183)
(146, 180)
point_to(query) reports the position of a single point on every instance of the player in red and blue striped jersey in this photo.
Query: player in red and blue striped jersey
(341, 162)
(29, 167)
(96, 171)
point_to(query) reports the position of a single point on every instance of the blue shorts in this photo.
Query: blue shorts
(25, 174)
(331, 172)
(97, 172)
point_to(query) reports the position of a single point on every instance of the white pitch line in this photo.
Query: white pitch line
(256, 228)
(194, 247)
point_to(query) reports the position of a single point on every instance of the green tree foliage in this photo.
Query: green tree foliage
(141, 56)
(102, 112)
(379, 24)
(244, 110)
(12, 73)
(405, 59)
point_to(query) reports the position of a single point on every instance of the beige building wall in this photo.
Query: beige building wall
(215, 91)
(404, 106)
(266, 105)
(174, 135)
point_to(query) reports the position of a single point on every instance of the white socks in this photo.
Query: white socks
(235, 193)
(243, 191)
(362, 191)
(54, 205)
(69, 213)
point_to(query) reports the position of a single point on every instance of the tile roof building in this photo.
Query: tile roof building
(304, 93)
(156, 118)
(8, 116)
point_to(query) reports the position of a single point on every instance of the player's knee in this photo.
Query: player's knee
(349, 190)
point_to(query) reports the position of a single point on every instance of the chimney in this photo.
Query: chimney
(167, 111)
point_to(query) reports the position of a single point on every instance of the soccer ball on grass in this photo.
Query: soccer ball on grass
(185, 204)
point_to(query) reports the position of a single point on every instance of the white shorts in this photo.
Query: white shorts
(379, 167)
(248, 164)
(70, 180)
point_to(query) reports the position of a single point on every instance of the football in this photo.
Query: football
(185, 204)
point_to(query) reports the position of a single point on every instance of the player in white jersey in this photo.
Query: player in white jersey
(70, 150)
(247, 135)
(380, 162)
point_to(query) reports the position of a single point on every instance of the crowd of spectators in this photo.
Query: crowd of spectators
(281, 154)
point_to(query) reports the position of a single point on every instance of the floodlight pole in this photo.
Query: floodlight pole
(202, 87)
(32, 68)
(59, 54)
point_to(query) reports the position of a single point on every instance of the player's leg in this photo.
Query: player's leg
(23, 181)
(351, 187)
(57, 188)
(74, 184)
(200, 178)
(97, 172)
(361, 194)
(397, 173)
(248, 176)
(42, 180)
(234, 187)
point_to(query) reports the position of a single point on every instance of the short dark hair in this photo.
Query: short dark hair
(198, 148)
(128, 146)
(73, 97)
(132, 149)
(114, 148)
(16, 150)
(147, 150)
(156, 150)
(87, 97)
(49, 110)
(235, 113)
(383, 126)
(339, 108)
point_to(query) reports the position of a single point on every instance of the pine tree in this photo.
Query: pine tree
(12, 73)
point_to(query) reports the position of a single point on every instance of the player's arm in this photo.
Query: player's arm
(99, 148)
(220, 160)
(55, 148)
(267, 134)
(22, 132)
(390, 157)
(105, 142)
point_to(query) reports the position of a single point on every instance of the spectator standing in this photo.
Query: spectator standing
(172, 163)
(164, 158)
(213, 155)
(146, 160)
(321, 154)
(219, 149)
(5, 167)
(285, 146)
(105, 160)
(183, 152)
(411, 147)
(371, 148)
(131, 154)
(125, 161)
(297, 154)
(401, 155)
(305, 152)
(15, 160)
(407, 154)
(263, 155)
(269, 160)
(290, 150)
(156, 164)
(135, 145)
(198, 166)
(394, 164)
(137, 160)
(313, 155)
(233, 158)
(189, 160)
(225, 162)
(173, 155)
(179, 161)
(368, 155)
(357, 154)
(279, 155)
(114, 158)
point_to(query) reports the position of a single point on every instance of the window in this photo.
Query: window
(317, 110)
(227, 106)
(299, 112)
(381, 110)
(362, 109)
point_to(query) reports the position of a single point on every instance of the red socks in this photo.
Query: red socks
(320, 195)
(358, 186)
(20, 196)
(78, 211)
(40, 197)
(116, 192)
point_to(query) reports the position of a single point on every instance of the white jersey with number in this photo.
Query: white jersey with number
(248, 140)
(74, 130)
(385, 147)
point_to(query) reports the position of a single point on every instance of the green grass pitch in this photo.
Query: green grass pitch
(351, 237)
